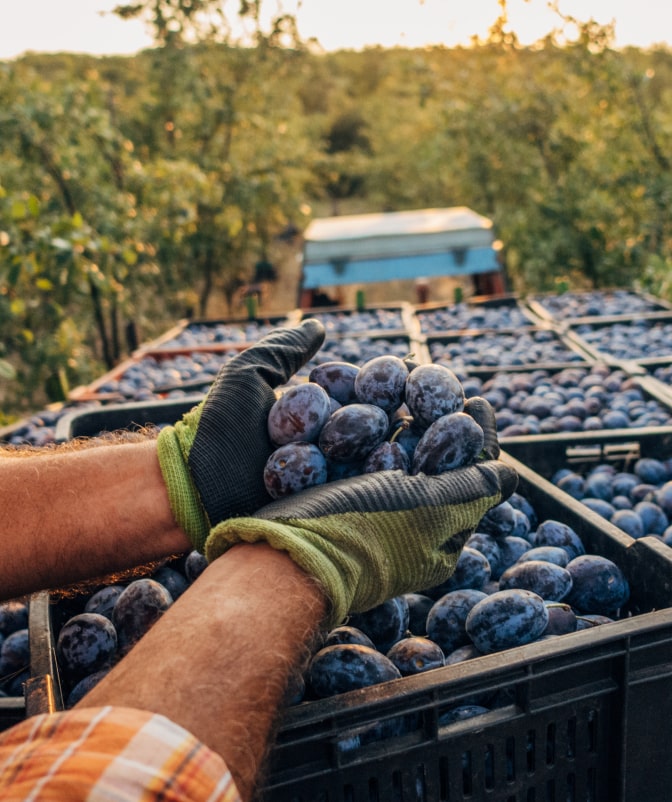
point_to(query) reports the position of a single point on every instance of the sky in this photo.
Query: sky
(87, 26)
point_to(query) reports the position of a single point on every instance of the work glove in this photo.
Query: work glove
(369, 538)
(212, 460)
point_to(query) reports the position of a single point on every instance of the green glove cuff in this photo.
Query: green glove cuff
(362, 559)
(182, 493)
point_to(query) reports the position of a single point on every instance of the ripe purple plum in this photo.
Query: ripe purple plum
(337, 378)
(298, 414)
(294, 467)
(433, 391)
(352, 432)
(382, 381)
(451, 441)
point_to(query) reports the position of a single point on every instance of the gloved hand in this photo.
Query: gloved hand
(375, 536)
(213, 460)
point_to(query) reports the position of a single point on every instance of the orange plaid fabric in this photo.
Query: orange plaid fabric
(109, 754)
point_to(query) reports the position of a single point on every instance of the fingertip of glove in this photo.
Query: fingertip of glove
(314, 330)
(501, 475)
(482, 412)
(509, 479)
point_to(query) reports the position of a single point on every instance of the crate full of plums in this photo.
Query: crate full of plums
(499, 312)
(590, 306)
(214, 334)
(542, 669)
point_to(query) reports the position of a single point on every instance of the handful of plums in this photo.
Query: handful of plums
(387, 414)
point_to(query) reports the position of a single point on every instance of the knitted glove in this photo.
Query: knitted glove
(375, 536)
(213, 460)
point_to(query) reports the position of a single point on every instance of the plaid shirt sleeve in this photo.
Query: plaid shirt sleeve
(109, 754)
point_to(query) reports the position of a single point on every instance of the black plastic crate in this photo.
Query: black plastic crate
(585, 718)
(116, 417)
(583, 450)
(367, 320)
(157, 374)
(587, 306)
(12, 711)
(478, 312)
(644, 339)
(523, 383)
(191, 334)
(506, 349)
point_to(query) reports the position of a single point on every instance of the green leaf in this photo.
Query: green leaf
(34, 206)
(17, 307)
(7, 370)
(18, 210)
(130, 256)
(13, 274)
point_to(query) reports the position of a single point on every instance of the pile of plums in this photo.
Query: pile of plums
(386, 414)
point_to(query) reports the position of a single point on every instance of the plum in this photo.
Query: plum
(415, 654)
(451, 441)
(385, 624)
(194, 565)
(550, 581)
(419, 606)
(561, 619)
(557, 533)
(512, 549)
(294, 467)
(519, 502)
(84, 685)
(499, 521)
(352, 432)
(505, 619)
(654, 520)
(347, 634)
(663, 497)
(460, 713)
(488, 546)
(388, 456)
(551, 554)
(433, 391)
(472, 570)
(172, 580)
(590, 620)
(299, 414)
(337, 378)
(462, 653)
(629, 521)
(86, 643)
(598, 585)
(346, 667)
(13, 616)
(137, 609)
(382, 381)
(103, 600)
(602, 508)
(14, 653)
(446, 620)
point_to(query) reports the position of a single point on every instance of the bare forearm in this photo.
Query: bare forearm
(219, 660)
(74, 515)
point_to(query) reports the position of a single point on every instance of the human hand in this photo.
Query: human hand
(375, 536)
(213, 459)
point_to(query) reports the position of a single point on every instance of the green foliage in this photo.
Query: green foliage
(135, 190)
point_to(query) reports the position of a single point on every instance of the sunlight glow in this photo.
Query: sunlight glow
(88, 26)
